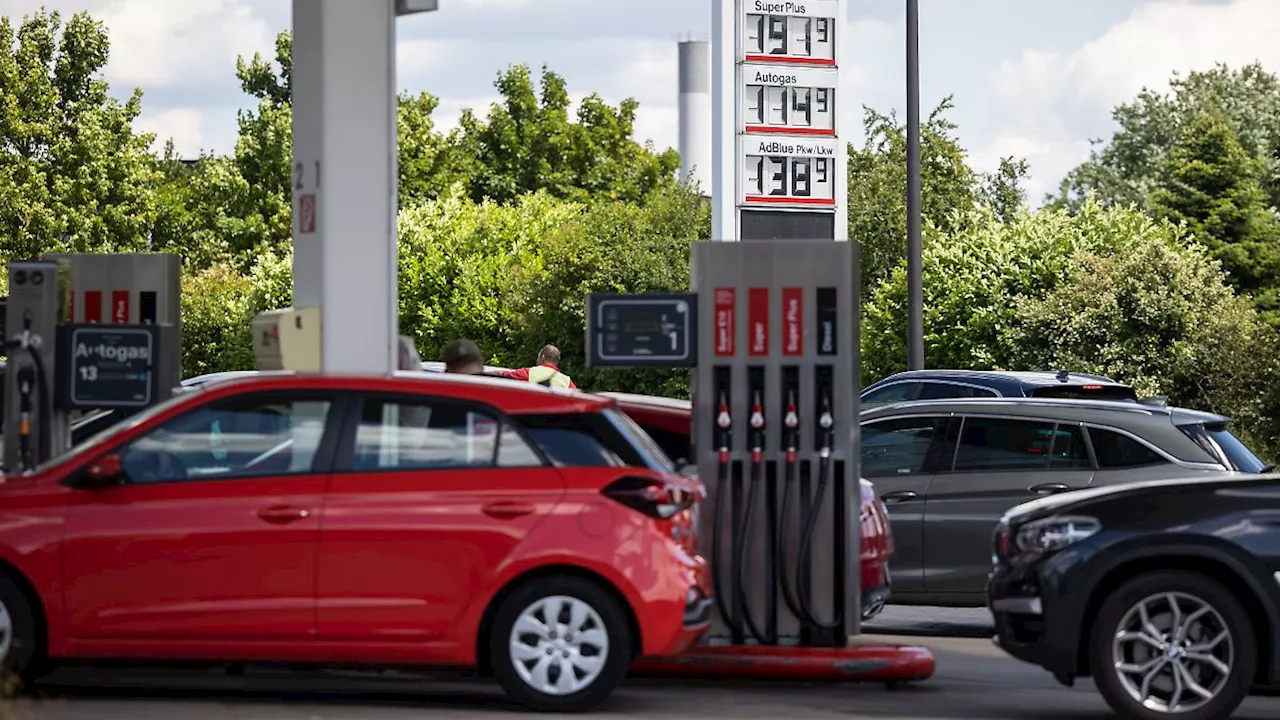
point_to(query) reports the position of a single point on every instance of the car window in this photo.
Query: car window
(1068, 450)
(435, 434)
(249, 435)
(998, 444)
(1221, 443)
(946, 390)
(675, 445)
(1116, 450)
(894, 392)
(897, 447)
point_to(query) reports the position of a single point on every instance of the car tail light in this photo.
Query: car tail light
(654, 497)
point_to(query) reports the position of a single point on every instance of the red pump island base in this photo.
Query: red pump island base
(857, 662)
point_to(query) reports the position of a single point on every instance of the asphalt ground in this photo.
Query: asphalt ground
(974, 680)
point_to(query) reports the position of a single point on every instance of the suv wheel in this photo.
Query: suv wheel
(560, 644)
(1173, 645)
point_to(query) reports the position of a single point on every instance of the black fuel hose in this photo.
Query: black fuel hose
(789, 595)
(717, 525)
(744, 544)
(45, 393)
(806, 543)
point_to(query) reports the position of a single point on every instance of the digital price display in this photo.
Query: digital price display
(641, 330)
(795, 31)
(788, 172)
(797, 101)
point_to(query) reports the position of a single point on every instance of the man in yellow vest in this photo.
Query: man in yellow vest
(546, 372)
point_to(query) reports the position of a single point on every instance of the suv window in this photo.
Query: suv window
(946, 390)
(435, 434)
(897, 447)
(895, 392)
(244, 436)
(1115, 450)
(1004, 444)
(1221, 443)
(675, 445)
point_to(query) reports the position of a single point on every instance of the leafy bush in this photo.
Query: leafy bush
(218, 307)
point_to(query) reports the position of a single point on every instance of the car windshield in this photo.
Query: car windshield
(653, 454)
(1222, 444)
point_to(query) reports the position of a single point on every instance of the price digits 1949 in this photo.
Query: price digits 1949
(790, 36)
(789, 176)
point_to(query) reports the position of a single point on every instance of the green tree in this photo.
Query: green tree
(73, 173)
(1212, 185)
(949, 188)
(1131, 165)
(529, 143)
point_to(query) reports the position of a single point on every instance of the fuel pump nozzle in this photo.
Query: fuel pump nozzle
(724, 441)
(744, 536)
(826, 440)
(791, 425)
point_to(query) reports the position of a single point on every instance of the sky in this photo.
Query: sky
(1031, 78)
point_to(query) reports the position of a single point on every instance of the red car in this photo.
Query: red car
(417, 520)
(667, 421)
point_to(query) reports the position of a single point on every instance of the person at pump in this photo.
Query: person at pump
(546, 372)
(463, 357)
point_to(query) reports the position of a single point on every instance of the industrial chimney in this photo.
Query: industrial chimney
(695, 113)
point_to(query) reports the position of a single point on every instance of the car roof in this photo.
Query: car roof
(514, 398)
(1070, 409)
(1026, 378)
(655, 401)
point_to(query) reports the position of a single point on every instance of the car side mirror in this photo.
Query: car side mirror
(104, 472)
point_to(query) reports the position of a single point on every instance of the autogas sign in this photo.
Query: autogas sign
(788, 172)
(793, 100)
(792, 31)
(106, 366)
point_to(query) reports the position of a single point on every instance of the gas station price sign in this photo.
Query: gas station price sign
(790, 31)
(106, 366)
(793, 100)
(788, 172)
(642, 330)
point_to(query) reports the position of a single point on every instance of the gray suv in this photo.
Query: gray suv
(948, 469)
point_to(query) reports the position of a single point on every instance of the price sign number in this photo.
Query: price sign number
(771, 108)
(779, 37)
(805, 180)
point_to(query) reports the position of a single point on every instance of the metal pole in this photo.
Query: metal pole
(915, 281)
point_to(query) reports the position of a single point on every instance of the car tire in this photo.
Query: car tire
(1209, 644)
(22, 652)
(590, 640)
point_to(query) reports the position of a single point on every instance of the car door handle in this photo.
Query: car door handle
(282, 514)
(507, 510)
(1049, 488)
(899, 496)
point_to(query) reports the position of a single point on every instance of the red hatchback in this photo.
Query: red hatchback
(417, 520)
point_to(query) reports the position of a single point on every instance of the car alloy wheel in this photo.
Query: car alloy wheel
(559, 645)
(6, 632)
(1173, 644)
(1173, 653)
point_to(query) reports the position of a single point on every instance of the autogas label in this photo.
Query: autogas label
(725, 301)
(105, 366)
(792, 100)
(792, 321)
(758, 322)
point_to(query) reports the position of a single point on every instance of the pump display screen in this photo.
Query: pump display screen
(641, 330)
(800, 31)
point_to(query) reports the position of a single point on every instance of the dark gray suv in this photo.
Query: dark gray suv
(948, 469)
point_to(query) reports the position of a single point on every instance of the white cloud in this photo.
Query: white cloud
(185, 126)
(1045, 104)
(491, 4)
(166, 43)
(414, 57)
